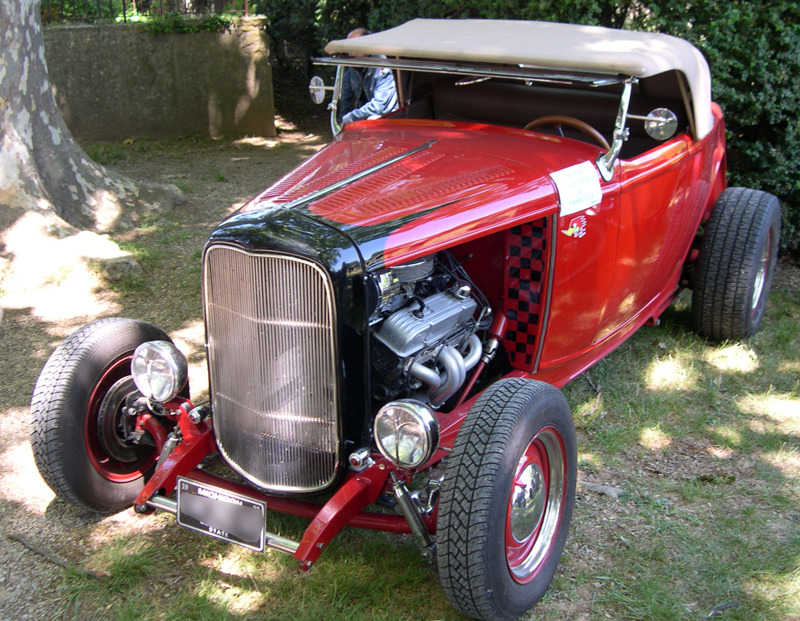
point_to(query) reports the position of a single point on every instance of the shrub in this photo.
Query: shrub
(753, 49)
(293, 30)
(172, 23)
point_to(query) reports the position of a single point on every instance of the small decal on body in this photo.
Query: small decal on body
(576, 228)
(578, 187)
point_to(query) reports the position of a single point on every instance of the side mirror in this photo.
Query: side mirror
(317, 88)
(661, 124)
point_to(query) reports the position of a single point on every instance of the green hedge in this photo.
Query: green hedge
(753, 48)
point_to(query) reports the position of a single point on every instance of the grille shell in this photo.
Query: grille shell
(271, 337)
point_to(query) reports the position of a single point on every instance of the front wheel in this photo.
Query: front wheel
(81, 435)
(507, 500)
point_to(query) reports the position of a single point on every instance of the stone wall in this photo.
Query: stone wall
(115, 82)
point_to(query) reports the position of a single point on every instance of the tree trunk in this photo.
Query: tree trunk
(42, 169)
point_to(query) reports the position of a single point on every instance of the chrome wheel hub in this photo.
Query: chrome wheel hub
(761, 275)
(535, 505)
(527, 502)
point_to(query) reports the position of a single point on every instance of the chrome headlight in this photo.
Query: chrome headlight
(159, 370)
(407, 433)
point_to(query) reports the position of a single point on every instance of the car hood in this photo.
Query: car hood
(404, 188)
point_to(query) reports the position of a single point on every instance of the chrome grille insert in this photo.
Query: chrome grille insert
(270, 322)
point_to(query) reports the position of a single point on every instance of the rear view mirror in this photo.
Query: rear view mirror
(661, 124)
(317, 89)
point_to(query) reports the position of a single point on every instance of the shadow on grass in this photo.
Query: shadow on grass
(176, 575)
(703, 438)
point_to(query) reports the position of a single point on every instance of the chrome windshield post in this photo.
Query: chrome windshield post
(605, 163)
(337, 96)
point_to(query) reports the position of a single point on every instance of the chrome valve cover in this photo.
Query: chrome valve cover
(409, 330)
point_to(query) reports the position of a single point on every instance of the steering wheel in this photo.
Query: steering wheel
(558, 121)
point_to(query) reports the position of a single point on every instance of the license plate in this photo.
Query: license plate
(222, 514)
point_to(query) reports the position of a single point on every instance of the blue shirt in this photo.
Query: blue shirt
(367, 93)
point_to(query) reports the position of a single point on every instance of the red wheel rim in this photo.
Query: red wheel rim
(536, 505)
(109, 467)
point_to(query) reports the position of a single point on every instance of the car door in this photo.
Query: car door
(661, 194)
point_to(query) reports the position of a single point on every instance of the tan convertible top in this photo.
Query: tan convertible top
(546, 45)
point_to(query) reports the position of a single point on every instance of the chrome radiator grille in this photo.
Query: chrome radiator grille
(270, 324)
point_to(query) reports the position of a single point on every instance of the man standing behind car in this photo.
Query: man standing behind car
(366, 92)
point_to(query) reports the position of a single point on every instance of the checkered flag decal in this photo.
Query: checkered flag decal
(523, 286)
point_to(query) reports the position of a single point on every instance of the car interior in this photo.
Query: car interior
(515, 103)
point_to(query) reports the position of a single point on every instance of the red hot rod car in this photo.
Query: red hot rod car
(403, 307)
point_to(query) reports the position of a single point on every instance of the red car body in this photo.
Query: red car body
(621, 270)
(412, 295)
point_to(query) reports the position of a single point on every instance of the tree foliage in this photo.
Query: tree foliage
(752, 46)
(753, 49)
(174, 23)
(293, 28)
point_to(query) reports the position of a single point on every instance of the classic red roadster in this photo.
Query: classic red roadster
(387, 326)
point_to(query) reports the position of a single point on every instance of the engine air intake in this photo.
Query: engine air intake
(270, 322)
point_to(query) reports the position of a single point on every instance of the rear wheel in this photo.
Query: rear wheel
(81, 436)
(734, 269)
(507, 500)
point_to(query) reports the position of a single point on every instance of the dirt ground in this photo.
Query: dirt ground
(217, 178)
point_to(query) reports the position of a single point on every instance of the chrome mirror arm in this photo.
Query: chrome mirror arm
(605, 163)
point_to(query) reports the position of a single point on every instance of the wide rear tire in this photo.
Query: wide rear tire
(733, 272)
(77, 417)
(507, 500)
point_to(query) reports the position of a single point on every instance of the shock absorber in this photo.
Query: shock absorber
(412, 511)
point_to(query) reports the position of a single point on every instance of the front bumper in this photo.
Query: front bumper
(345, 508)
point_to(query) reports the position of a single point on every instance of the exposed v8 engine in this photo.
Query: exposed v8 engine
(424, 329)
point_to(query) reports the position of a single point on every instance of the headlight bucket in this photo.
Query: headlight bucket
(406, 432)
(159, 370)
